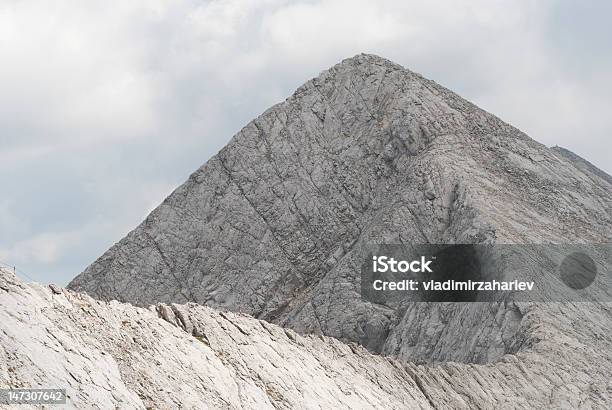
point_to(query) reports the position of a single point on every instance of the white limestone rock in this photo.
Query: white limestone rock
(110, 354)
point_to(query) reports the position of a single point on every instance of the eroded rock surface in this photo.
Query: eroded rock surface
(367, 152)
(110, 354)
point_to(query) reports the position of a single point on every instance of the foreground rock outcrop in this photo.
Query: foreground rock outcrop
(110, 354)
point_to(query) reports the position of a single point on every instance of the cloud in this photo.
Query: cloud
(69, 75)
(42, 248)
(106, 107)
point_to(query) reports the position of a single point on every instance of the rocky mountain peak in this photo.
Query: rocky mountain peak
(367, 152)
(245, 286)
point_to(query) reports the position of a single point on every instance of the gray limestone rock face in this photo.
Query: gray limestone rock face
(368, 152)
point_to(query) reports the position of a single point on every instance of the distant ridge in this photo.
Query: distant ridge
(583, 164)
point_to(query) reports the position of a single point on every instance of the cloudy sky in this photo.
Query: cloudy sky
(107, 106)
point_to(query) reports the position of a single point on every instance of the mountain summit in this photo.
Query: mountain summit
(275, 228)
(367, 152)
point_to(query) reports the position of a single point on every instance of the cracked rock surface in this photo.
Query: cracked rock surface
(114, 355)
(273, 228)
(110, 354)
(368, 152)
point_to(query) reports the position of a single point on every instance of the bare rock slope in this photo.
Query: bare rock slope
(115, 355)
(368, 152)
(110, 355)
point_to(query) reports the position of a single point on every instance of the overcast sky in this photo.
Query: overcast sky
(107, 106)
